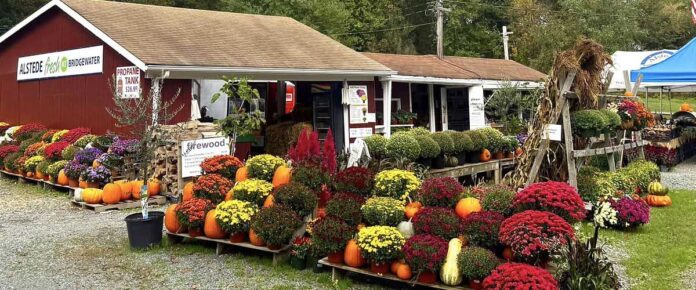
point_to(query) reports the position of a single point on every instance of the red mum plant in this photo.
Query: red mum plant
(307, 150)
(552, 196)
(425, 252)
(534, 235)
(225, 165)
(329, 163)
(33, 148)
(212, 187)
(7, 150)
(358, 180)
(74, 134)
(48, 136)
(438, 221)
(27, 130)
(520, 276)
(481, 228)
(443, 192)
(191, 213)
(54, 151)
(346, 206)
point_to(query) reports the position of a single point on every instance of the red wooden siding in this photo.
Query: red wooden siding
(68, 102)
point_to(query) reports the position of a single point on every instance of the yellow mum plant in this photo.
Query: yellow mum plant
(57, 135)
(252, 190)
(234, 215)
(264, 166)
(396, 183)
(380, 244)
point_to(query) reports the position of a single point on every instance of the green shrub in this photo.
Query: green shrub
(55, 168)
(403, 146)
(643, 172)
(419, 131)
(445, 141)
(383, 211)
(297, 197)
(428, 147)
(69, 152)
(588, 123)
(478, 140)
(10, 159)
(493, 138)
(377, 144)
(476, 263)
(613, 120)
(462, 141)
(276, 224)
(311, 177)
(587, 179)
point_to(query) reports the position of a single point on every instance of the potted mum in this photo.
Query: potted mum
(74, 171)
(225, 165)
(481, 228)
(519, 276)
(297, 197)
(346, 206)
(425, 254)
(275, 225)
(383, 211)
(191, 215)
(299, 250)
(96, 177)
(252, 190)
(144, 117)
(441, 191)
(235, 216)
(396, 183)
(329, 237)
(213, 187)
(358, 180)
(475, 264)
(380, 245)
(438, 221)
(534, 235)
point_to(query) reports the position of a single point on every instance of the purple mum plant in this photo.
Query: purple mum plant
(630, 212)
(100, 175)
(87, 156)
(124, 146)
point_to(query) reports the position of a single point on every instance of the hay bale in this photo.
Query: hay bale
(279, 137)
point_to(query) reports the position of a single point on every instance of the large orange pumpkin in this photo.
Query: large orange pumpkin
(282, 176)
(242, 174)
(92, 195)
(111, 193)
(352, 256)
(685, 107)
(82, 184)
(404, 272)
(485, 155)
(153, 187)
(269, 202)
(658, 200)
(126, 189)
(255, 239)
(171, 222)
(62, 178)
(188, 191)
(136, 186)
(467, 206)
(211, 228)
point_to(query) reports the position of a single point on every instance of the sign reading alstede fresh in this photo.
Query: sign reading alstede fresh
(193, 153)
(81, 61)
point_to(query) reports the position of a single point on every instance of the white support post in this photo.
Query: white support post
(387, 99)
(431, 105)
(443, 107)
(346, 117)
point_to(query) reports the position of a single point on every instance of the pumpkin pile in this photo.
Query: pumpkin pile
(657, 195)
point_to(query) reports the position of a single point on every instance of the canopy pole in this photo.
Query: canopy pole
(661, 88)
(669, 98)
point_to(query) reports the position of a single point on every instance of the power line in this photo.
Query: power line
(386, 29)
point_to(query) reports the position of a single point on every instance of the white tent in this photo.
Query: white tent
(633, 60)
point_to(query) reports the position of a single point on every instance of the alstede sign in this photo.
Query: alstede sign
(195, 151)
(81, 61)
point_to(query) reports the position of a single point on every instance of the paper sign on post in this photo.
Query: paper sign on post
(552, 132)
(193, 153)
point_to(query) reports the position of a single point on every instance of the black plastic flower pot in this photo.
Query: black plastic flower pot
(439, 162)
(297, 263)
(143, 233)
(473, 156)
(427, 162)
(462, 158)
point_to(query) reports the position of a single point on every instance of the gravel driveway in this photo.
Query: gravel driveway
(46, 243)
(682, 176)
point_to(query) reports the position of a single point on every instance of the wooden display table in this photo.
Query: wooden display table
(469, 169)
(155, 200)
(221, 243)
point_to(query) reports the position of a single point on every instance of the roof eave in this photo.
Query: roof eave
(202, 72)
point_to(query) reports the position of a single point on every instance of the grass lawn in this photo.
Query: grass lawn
(654, 103)
(662, 250)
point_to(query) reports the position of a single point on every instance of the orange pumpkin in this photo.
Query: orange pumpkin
(352, 256)
(242, 174)
(40, 175)
(126, 189)
(188, 191)
(485, 155)
(685, 107)
(659, 200)
(412, 208)
(466, 206)
(82, 184)
(95, 164)
(628, 94)
(153, 187)
(136, 186)
(111, 193)
(404, 272)
(282, 176)
(62, 178)
(255, 239)
(211, 228)
(269, 202)
(171, 222)
(92, 195)
(229, 195)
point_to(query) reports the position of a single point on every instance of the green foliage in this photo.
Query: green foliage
(478, 140)
(377, 145)
(383, 211)
(428, 147)
(69, 152)
(55, 168)
(240, 120)
(476, 263)
(462, 141)
(297, 197)
(509, 103)
(642, 172)
(613, 120)
(498, 198)
(311, 177)
(584, 265)
(403, 146)
(495, 140)
(588, 123)
(445, 141)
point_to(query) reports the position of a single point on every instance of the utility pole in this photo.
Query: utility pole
(440, 12)
(506, 38)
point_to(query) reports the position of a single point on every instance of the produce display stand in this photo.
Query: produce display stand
(469, 169)
(220, 244)
(155, 200)
(388, 276)
(10, 174)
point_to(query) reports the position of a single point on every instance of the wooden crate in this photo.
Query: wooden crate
(155, 200)
(222, 243)
(388, 276)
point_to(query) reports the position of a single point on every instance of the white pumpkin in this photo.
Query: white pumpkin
(77, 196)
(449, 273)
(406, 229)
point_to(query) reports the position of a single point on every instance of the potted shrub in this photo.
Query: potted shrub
(299, 251)
(377, 145)
(429, 149)
(425, 254)
(438, 221)
(481, 228)
(613, 120)
(191, 215)
(329, 238)
(346, 206)
(402, 145)
(440, 191)
(511, 144)
(462, 145)
(74, 170)
(297, 197)
(552, 196)
(85, 140)
(403, 117)
(475, 264)
(622, 213)
(383, 211)
(588, 123)
(224, 165)
(534, 235)
(88, 155)
(380, 245)
(69, 152)
(358, 180)
(275, 225)
(447, 148)
(497, 198)
(396, 183)
(213, 187)
(96, 177)
(479, 142)
(519, 276)
(235, 216)
(264, 166)
(252, 190)
(54, 169)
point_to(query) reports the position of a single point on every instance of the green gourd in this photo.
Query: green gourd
(449, 273)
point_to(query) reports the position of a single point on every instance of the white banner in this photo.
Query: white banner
(195, 151)
(81, 61)
(128, 82)
(476, 108)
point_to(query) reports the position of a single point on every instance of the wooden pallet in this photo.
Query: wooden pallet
(155, 200)
(7, 174)
(388, 276)
(222, 243)
(56, 186)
